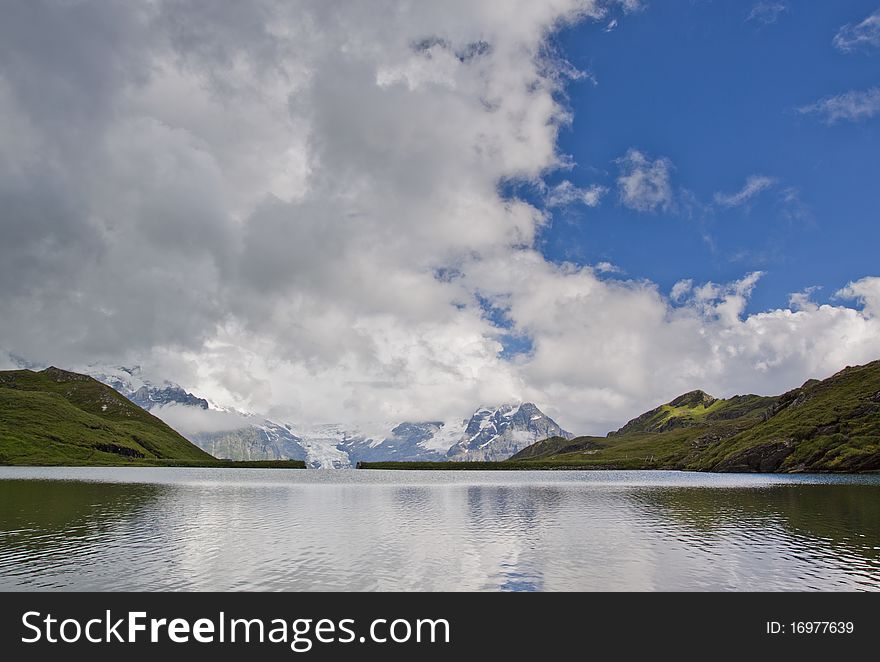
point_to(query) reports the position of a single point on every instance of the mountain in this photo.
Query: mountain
(829, 425)
(407, 442)
(57, 417)
(148, 397)
(498, 433)
(489, 434)
(131, 383)
(258, 441)
(263, 440)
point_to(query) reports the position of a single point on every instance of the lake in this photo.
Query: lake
(253, 529)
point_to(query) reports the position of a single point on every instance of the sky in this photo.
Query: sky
(324, 211)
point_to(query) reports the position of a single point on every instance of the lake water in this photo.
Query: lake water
(250, 529)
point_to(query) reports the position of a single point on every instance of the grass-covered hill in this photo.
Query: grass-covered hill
(54, 417)
(830, 425)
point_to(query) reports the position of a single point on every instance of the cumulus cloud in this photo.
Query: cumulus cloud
(867, 292)
(852, 106)
(681, 289)
(191, 421)
(644, 184)
(566, 193)
(607, 268)
(754, 186)
(267, 191)
(605, 349)
(855, 36)
(803, 300)
(767, 13)
(294, 208)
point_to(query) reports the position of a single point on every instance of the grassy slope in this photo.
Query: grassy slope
(670, 436)
(832, 425)
(55, 417)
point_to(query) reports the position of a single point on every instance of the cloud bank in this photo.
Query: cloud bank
(295, 208)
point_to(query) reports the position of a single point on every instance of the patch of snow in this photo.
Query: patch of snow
(322, 453)
(446, 436)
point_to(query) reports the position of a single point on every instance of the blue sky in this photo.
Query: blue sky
(717, 94)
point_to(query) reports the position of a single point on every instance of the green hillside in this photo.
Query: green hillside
(56, 417)
(830, 425)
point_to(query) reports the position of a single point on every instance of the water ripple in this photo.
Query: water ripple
(192, 529)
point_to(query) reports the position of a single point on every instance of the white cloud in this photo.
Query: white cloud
(798, 301)
(266, 192)
(566, 193)
(854, 36)
(193, 420)
(630, 6)
(754, 185)
(606, 268)
(867, 292)
(852, 106)
(645, 185)
(767, 13)
(7, 362)
(294, 209)
(681, 289)
(605, 350)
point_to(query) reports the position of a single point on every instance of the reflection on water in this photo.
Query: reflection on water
(116, 529)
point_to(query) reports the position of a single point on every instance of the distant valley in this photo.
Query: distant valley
(490, 434)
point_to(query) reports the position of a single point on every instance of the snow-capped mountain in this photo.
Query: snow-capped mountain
(262, 440)
(491, 433)
(497, 433)
(248, 437)
(322, 444)
(149, 397)
(407, 442)
(134, 386)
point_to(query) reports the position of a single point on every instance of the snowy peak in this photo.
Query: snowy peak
(131, 383)
(406, 442)
(491, 433)
(224, 433)
(497, 433)
(149, 397)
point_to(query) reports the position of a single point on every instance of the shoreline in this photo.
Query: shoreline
(411, 466)
(162, 464)
(548, 466)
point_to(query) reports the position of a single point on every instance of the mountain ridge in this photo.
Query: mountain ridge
(340, 446)
(823, 425)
